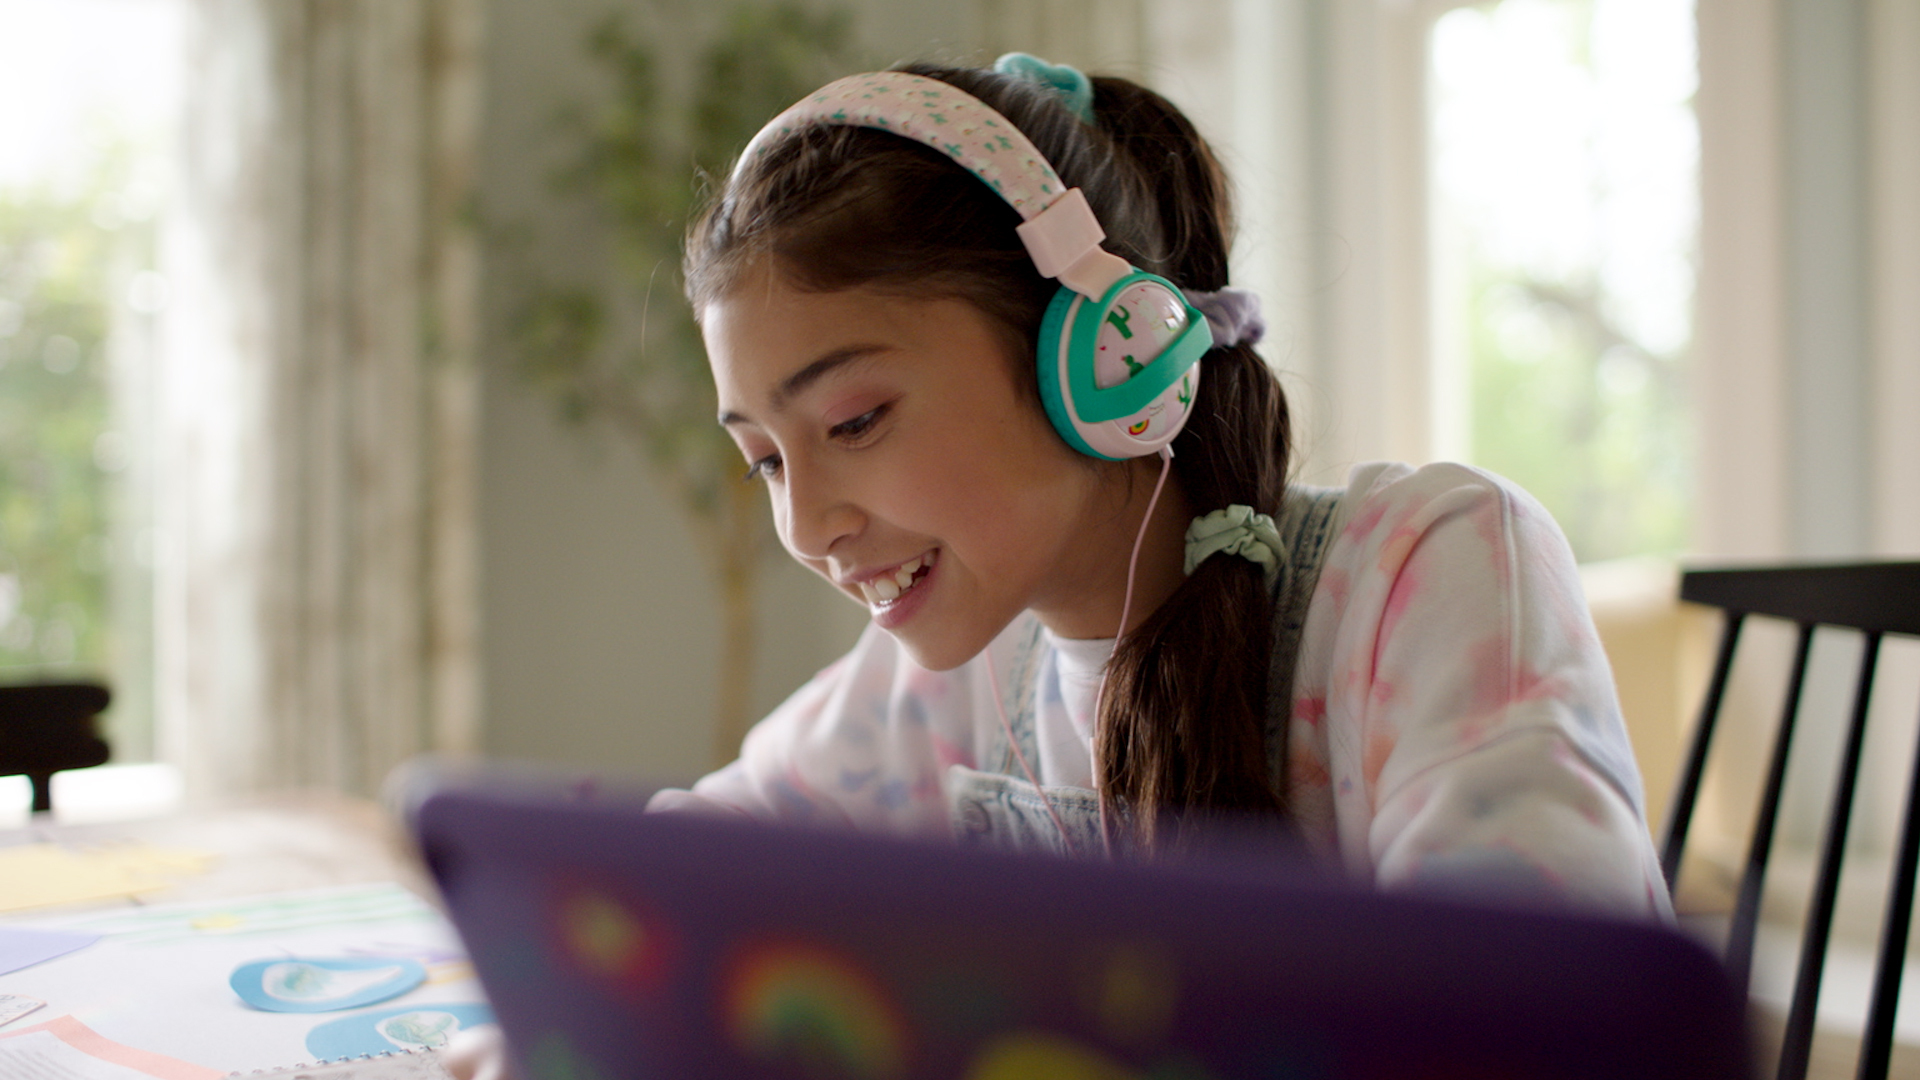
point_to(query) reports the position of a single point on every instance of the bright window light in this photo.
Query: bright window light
(1565, 160)
(90, 95)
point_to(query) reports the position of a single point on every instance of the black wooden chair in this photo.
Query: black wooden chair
(47, 728)
(1877, 599)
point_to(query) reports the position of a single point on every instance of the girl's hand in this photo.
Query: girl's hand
(478, 1054)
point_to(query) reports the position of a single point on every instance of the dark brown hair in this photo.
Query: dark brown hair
(1182, 731)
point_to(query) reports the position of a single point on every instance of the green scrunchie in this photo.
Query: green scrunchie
(1237, 530)
(1074, 88)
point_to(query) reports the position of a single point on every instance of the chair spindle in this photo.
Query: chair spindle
(1876, 1044)
(1680, 817)
(1797, 1044)
(1746, 910)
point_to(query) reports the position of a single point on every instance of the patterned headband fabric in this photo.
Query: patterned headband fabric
(929, 111)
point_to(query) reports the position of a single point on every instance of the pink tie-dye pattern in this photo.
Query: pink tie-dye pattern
(1380, 695)
(1309, 710)
(1406, 589)
(1334, 588)
(1491, 662)
(1366, 520)
(1493, 531)
(1308, 771)
(1427, 650)
(1458, 646)
(1398, 546)
(928, 787)
(1500, 681)
(946, 753)
(1380, 746)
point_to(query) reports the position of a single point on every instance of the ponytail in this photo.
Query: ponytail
(1182, 735)
(1183, 730)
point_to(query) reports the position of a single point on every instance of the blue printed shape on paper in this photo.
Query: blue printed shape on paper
(385, 1031)
(309, 985)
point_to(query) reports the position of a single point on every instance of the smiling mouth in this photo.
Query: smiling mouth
(886, 589)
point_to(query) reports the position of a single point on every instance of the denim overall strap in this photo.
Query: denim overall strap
(995, 810)
(1309, 520)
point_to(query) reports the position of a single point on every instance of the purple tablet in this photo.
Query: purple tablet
(613, 943)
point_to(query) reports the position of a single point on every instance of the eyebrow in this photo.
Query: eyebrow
(799, 381)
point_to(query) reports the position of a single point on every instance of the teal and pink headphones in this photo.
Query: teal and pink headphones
(1119, 348)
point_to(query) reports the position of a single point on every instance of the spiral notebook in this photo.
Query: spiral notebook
(613, 942)
(399, 1065)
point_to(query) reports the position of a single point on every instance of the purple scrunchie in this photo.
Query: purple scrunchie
(1232, 314)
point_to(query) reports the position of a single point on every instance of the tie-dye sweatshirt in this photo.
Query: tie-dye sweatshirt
(1453, 717)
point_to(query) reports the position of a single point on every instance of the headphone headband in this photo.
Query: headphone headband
(1059, 229)
(1118, 347)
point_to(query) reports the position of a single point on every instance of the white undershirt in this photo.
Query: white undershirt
(1069, 679)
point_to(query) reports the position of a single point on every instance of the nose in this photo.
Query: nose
(814, 515)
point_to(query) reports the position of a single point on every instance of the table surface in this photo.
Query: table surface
(162, 988)
(264, 844)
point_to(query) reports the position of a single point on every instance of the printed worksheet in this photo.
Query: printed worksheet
(66, 1049)
(245, 985)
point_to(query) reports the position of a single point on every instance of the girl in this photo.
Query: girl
(1080, 640)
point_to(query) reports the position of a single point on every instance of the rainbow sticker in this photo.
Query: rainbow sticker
(611, 938)
(806, 1005)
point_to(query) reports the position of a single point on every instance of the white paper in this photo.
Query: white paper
(157, 979)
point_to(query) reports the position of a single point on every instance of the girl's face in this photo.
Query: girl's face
(909, 468)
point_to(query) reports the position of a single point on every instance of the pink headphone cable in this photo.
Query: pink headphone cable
(1099, 695)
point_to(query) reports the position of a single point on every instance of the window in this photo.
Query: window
(89, 90)
(1565, 202)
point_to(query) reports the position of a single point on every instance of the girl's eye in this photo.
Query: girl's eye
(847, 431)
(766, 468)
(852, 430)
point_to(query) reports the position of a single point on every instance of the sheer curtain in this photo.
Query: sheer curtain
(314, 598)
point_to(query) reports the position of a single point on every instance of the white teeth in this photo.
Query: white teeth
(883, 590)
(889, 589)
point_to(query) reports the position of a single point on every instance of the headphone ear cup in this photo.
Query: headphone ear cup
(1049, 363)
(1118, 375)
